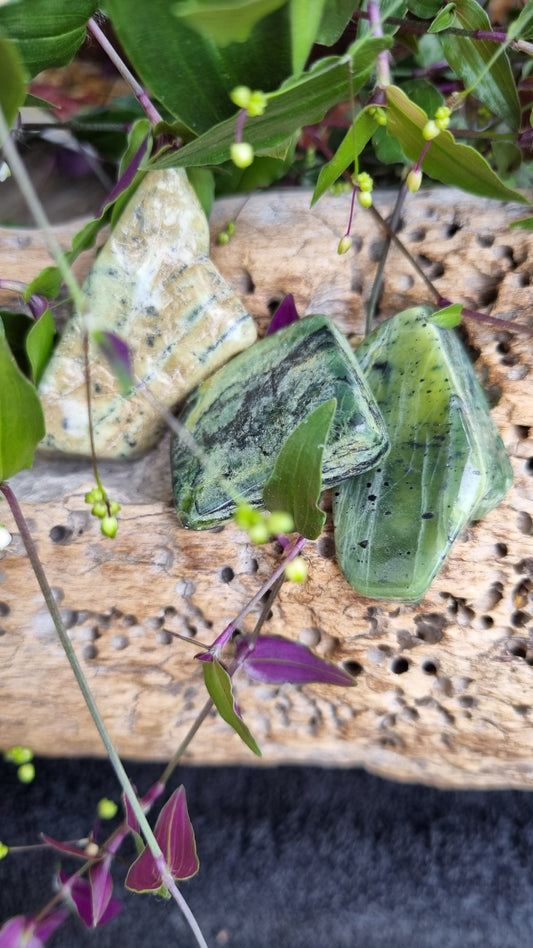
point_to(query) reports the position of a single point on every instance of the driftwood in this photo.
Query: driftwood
(445, 688)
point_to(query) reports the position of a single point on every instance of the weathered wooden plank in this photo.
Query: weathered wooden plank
(445, 689)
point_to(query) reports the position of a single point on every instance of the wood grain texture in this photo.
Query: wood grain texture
(445, 689)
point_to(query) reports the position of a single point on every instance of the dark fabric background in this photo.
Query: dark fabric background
(296, 856)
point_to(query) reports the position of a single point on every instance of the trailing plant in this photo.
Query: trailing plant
(243, 94)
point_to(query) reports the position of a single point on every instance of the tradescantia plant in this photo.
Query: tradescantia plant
(241, 94)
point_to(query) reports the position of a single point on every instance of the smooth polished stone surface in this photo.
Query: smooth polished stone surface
(240, 417)
(154, 285)
(447, 465)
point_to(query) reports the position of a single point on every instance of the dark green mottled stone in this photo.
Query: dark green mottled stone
(241, 416)
(447, 464)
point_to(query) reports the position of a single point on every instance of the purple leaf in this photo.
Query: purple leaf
(175, 835)
(285, 314)
(275, 660)
(117, 353)
(101, 885)
(25, 932)
(127, 177)
(146, 802)
(38, 304)
(81, 893)
(69, 848)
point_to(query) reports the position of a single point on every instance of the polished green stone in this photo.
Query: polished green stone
(447, 465)
(240, 417)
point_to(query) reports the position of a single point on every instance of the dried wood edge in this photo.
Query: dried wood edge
(468, 724)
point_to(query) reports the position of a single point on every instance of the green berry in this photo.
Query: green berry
(364, 198)
(241, 96)
(258, 533)
(431, 130)
(114, 507)
(257, 104)
(242, 154)
(3, 850)
(19, 755)
(413, 180)
(223, 238)
(26, 773)
(296, 570)
(109, 526)
(442, 117)
(280, 522)
(99, 509)
(364, 181)
(94, 496)
(231, 228)
(106, 809)
(344, 244)
(246, 517)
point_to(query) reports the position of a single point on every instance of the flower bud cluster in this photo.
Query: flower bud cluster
(260, 525)
(104, 509)
(253, 104)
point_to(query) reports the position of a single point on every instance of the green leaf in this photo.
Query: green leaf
(191, 75)
(12, 81)
(362, 129)
(203, 183)
(39, 342)
(336, 15)
(46, 34)
(304, 102)
(526, 223)
(459, 165)
(295, 484)
(443, 20)
(218, 684)
(469, 58)
(224, 21)
(425, 9)
(305, 22)
(448, 316)
(21, 415)
(16, 328)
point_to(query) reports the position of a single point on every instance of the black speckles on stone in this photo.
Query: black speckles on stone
(363, 544)
(150, 339)
(428, 516)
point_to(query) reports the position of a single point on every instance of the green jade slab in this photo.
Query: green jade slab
(242, 414)
(447, 465)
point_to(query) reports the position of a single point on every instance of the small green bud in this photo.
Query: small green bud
(431, 130)
(258, 532)
(114, 507)
(3, 850)
(231, 228)
(94, 496)
(258, 103)
(5, 537)
(363, 181)
(99, 509)
(380, 116)
(26, 773)
(296, 570)
(18, 755)
(106, 809)
(223, 238)
(280, 522)
(241, 96)
(344, 244)
(364, 198)
(242, 154)
(413, 180)
(442, 117)
(246, 517)
(109, 526)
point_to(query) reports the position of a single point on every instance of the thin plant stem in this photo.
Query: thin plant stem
(378, 279)
(83, 685)
(382, 60)
(138, 91)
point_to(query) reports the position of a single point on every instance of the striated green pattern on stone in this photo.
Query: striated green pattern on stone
(241, 416)
(395, 525)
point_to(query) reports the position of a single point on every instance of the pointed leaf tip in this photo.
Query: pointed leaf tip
(175, 835)
(275, 660)
(285, 314)
(218, 684)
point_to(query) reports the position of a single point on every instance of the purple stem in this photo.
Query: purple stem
(118, 62)
(241, 118)
(352, 206)
(382, 61)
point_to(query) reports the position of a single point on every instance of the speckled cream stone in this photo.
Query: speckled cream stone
(154, 285)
